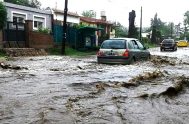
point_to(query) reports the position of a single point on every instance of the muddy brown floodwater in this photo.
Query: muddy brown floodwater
(65, 90)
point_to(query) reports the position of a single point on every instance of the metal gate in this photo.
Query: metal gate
(14, 35)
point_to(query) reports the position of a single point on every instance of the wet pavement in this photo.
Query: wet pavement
(66, 90)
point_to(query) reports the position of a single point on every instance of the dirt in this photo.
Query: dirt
(65, 90)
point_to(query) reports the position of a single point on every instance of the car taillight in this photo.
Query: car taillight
(126, 53)
(100, 53)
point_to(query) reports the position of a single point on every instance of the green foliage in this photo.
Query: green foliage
(161, 28)
(3, 15)
(78, 26)
(89, 13)
(44, 30)
(3, 55)
(29, 3)
(186, 20)
(120, 30)
(185, 35)
(71, 52)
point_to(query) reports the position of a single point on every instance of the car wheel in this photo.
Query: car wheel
(161, 49)
(132, 60)
(149, 57)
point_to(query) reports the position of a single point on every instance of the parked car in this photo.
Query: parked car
(122, 51)
(168, 44)
(182, 43)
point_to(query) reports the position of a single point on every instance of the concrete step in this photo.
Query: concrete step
(16, 52)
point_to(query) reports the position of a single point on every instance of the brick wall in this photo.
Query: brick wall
(40, 40)
(36, 39)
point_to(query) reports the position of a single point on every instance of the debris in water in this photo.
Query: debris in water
(177, 87)
(148, 76)
(8, 66)
(158, 60)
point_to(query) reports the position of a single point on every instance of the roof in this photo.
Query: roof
(62, 12)
(95, 21)
(29, 9)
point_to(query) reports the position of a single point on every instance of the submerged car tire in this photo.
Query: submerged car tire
(132, 60)
(149, 57)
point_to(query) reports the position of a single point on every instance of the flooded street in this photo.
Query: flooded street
(66, 90)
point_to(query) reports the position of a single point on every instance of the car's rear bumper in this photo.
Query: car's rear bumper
(168, 47)
(113, 60)
(182, 45)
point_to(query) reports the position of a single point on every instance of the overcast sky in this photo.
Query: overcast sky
(118, 10)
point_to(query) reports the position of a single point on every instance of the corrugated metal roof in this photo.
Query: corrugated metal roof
(95, 21)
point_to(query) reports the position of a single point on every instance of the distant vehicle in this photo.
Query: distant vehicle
(168, 44)
(182, 43)
(122, 51)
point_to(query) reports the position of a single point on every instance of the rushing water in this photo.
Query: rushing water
(65, 90)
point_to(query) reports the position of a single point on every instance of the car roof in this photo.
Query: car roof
(168, 39)
(123, 38)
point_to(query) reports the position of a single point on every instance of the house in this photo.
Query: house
(18, 13)
(22, 23)
(72, 18)
(103, 27)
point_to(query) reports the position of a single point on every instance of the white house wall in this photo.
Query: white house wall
(70, 19)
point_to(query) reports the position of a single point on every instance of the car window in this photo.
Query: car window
(140, 45)
(130, 45)
(168, 41)
(114, 44)
(135, 45)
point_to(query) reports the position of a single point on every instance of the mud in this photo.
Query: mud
(65, 90)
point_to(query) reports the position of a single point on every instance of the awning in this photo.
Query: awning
(90, 28)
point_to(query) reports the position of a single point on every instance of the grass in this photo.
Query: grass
(71, 52)
(150, 45)
(3, 56)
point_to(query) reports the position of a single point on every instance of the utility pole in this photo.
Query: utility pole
(64, 27)
(141, 25)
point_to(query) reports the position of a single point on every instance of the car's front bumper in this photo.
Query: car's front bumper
(113, 60)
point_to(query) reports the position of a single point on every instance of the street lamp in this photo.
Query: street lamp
(64, 27)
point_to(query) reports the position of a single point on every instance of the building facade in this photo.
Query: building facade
(18, 13)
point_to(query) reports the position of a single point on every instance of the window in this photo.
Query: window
(135, 45)
(18, 18)
(130, 45)
(140, 45)
(39, 22)
(114, 44)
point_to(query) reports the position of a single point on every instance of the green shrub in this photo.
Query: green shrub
(3, 15)
(44, 30)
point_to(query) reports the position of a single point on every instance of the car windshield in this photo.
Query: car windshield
(168, 41)
(113, 44)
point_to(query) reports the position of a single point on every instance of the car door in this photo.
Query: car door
(143, 51)
(135, 51)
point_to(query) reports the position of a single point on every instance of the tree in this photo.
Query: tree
(3, 15)
(35, 4)
(89, 13)
(132, 33)
(120, 30)
(29, 3)
(186, 19)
